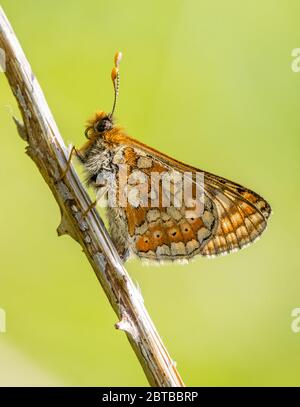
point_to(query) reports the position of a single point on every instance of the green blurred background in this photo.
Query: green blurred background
(210, 83)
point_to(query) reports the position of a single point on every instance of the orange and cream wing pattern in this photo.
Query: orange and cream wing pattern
(167, 234)
(242, 216)
(231, 216)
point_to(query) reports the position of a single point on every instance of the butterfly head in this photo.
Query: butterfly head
(99, 125)
(97, 132)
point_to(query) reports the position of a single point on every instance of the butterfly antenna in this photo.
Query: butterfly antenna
(116, 80)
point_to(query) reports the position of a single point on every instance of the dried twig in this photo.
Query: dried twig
(47, 150)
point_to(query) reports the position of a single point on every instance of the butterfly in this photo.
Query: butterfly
(147, 213)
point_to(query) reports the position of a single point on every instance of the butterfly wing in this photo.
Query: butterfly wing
(231, 216)
(156, 230)
(242, 216)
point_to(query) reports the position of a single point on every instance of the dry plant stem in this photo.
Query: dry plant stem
(47, 150)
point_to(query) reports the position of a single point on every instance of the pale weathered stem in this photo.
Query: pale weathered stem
(48, 151)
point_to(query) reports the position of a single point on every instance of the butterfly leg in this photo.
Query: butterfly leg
(72, 152)
(101, 191)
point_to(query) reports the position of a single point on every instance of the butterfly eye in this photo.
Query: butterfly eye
(103, 125)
